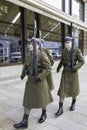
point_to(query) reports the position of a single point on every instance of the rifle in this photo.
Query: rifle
(35, 58)
(72, 54)
(73, 49)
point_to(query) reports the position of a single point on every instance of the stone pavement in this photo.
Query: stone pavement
(11, 110)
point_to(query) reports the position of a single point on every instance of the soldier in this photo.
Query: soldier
(37, 94)
(69, 85)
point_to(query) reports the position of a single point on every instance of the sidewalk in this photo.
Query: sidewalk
(11, 109)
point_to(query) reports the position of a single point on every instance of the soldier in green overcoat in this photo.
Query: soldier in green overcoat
(69, 85)
(37, 93)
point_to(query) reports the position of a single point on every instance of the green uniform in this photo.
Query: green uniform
(37, 94)
(49, 55)
(49, 77)
(69, 85)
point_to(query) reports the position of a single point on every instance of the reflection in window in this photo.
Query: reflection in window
(51, 33)
(50, 29)
(9, 46)
(9, 32)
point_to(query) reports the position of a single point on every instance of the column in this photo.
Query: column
(62, 34)
(23, 23)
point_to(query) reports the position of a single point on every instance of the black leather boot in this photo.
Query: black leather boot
(23, 123)
(43, 116)
(72, 108)
(60, 110)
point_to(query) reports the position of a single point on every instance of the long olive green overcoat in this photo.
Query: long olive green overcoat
(49, 77)
(69, 85)
(37, 94)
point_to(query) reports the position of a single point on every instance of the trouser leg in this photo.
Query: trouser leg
(43, 115)
(72, 107)
(61, 99)
(60, 109)
(27, 111)
(24, 122)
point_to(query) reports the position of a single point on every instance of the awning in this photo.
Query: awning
(56, 14)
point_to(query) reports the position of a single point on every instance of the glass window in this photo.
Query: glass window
(78, 9)
(51, 33)
(75, 34)
(66, 31)
(67, 6)
(81, 40)
(78, 35)
(81, 10)
(9, 33)
(30, 24)
(55, 3)
(75, 9)
(50, 27)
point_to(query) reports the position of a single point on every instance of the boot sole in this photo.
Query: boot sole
(23, 127)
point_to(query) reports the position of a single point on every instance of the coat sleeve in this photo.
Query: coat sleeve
(46, 67)
(49, 54)
(60, 64)
(24, 70)
(80, 59)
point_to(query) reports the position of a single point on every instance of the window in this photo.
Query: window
(75, 9)
(67, 6)
(78, 9)
(54, 3)
(30, 24)
(51, 33)
(81, 36)
(9, 31)
(78, 38)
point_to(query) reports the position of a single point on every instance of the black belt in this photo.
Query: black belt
(30, 72)
(67, 65)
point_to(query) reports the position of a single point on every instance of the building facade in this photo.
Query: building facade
(51, 20)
